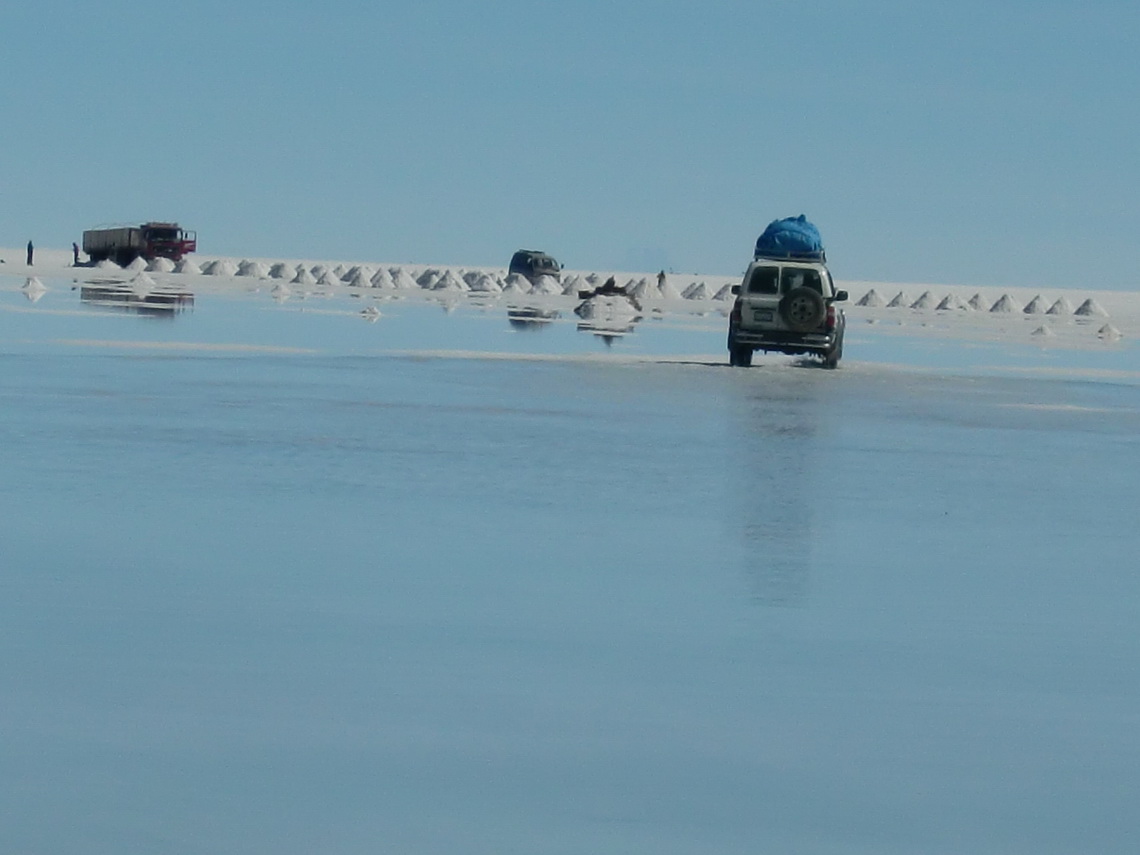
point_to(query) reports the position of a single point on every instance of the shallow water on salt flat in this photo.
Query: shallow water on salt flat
(328, 596)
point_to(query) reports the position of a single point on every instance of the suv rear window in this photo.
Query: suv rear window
(799, 277)
(763, 280)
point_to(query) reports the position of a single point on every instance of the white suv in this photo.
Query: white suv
(786, 307)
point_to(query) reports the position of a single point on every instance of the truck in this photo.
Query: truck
(123, 244)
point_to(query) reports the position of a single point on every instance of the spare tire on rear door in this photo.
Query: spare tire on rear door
(803, 309)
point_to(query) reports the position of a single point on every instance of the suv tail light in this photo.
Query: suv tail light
(830, 322)
(736, 311)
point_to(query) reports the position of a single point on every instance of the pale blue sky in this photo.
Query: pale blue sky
(988, 143)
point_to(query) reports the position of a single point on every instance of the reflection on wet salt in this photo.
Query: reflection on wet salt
(778, 480)
(140, 298)
(608, 314)
(607, 333)
(530, 317)
(33, 289)
(779, 559)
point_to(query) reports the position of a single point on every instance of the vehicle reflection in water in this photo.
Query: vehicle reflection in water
(778, 479)
(164, 301)
(530, 318)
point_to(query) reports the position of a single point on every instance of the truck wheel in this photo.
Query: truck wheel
(740, 356)
(802, 309)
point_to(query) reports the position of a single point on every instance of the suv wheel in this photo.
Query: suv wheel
(740, 356)
(802, 309)
(832, 357)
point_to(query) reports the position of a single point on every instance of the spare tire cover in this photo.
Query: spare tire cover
(802, 309)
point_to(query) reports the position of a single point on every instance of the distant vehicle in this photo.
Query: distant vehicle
(786, 307)
(534, 264)
(123, 244)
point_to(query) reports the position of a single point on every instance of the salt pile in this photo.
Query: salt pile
(485, 283)
(977, 303)
(871, 300)
(302, 277)
(696, 291)
(370, 313)
(160, 265)
(1035, 306)
(546, 285)
(381, 279)
(1090, 308)
(186, 266)
(107, 264)
(899, 301)
(725, 293)
(949, 303)
(642, 289)
(280, 270)
(1108, 332)
(926, 301)
(222, 267)
(429, 277)
(329, 278)
(137, 263)
(607, 308)
(403, 280)
(516, 284)
(573, 285)
(667, 290)
(252, 268)
(1061, 307)
(1043, 331)
(1004, 304)
(281, 292)
(448, 282)
(359, 277)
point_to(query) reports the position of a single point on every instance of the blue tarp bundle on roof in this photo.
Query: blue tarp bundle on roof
(792, 237)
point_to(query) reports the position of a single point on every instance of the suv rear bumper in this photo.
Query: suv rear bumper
(776, 341)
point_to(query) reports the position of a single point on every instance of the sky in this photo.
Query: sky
(981, 143)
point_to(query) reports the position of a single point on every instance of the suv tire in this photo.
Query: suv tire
(803, 309)
(832, 357)
(738, 354)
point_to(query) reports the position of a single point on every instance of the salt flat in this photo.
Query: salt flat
(285, 575)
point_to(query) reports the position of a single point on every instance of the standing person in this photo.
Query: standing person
(661, 281)
(31, 249)
(74, 254)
